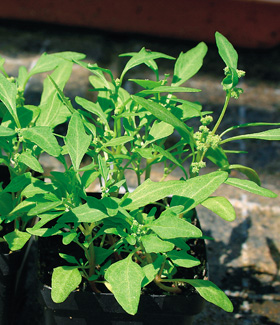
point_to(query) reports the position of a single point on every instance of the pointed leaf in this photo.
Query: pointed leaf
(269, 135)
(125, 278)
(221, 206)
(16, 239)
(170, 226)
(18, 183)
(188, 64)
(6, 132)
(65, 279)
(226, 51)
(44, 138)
(166, 116)
(183, 259)
(29, 160)
(210, 292)
(249, 172)
(250, 186)
(8, 93)
(153, 244)
(77, 141)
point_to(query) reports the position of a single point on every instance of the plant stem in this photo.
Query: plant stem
(222, 113)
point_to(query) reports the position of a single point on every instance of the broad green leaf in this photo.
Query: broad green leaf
(92, 107)
(159, 130)
(210, 292)
(226, 51)
(44, 218)
(111, 205)
(166, 116)
(44, 138)
(92, 211)
(16, 239)
(53, 111)
(170, 226)
(250, 186)
(249, 172)
(181, 258)
(68, 237)
(6, 132)
(40, 187)
(8, 93)
(77, 141)
(65, 279)
(29, 160)
(18, 183)
(198, 189)
(125, 278)
(44, 207)
(189, 193)
(269, 135)
(188, 64)
(46, 62)
(221, 206)
(70, 55)
(153, 244)
(247, 125)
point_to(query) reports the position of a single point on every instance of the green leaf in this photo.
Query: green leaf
(188, 64)
(167, 89)
(16, 239)
(143, 56)
(125, 277)
(226, 51)
(8, 93)
(46, 62)
(101, 254)
(250, 186)
(153, 244)
(6, 203)
(269, 135)
(198, 189)
(171, 226)
(69, 258)
(103, 167)
(18, 183)
(44, 138)
(29, 160)
(151, 270)
(181, 258)
(166, 116)
(159, 130)
(91, 107)
(118, 141)
(221, 206)
(6, 132)
(148, 84)
(210, 292)
(65, 279)
(44, 207)
(189, 193)
(92, 211)
(77, 141)
(249, 172)
(53, 110)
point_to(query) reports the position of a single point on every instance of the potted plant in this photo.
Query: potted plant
(124, 242)
(25, 133)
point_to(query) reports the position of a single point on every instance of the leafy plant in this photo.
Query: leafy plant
(124, 247)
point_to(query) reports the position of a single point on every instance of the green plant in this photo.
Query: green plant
(26, 131)
(124, 247)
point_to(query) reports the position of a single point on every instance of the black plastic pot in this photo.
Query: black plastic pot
(86, 308)
(9, 265)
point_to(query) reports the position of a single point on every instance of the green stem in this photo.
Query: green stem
(222, 113)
